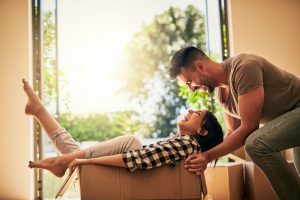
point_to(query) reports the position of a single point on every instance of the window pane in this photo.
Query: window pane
(106, 75)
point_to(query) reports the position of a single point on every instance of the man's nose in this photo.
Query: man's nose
(194, 88)
(190, 87)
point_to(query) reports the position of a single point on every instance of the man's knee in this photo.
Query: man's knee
(250, 145)
(255, 145)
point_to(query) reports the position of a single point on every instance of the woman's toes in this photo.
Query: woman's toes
(36, 164)
(49, 164)
(30, 164)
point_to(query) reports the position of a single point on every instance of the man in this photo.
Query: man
(253, 93)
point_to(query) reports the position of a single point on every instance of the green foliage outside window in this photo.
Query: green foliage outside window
(101, 127)
(144, 74)
(148, 59)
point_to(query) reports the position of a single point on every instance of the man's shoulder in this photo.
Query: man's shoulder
(245, 57)
(242, 62)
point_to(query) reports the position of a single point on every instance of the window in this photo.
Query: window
(103, 67)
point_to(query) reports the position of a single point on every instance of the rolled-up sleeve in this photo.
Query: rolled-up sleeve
(166, 152)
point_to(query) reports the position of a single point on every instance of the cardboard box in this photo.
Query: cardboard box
(103, 182)
(225, 182)
(257, 185)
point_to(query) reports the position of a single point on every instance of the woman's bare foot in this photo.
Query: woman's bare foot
(54, 165)
(57, 165)
(34, 104)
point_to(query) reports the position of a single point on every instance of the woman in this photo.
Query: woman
(197, 130)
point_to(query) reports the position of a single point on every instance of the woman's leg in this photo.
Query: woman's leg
(61, 140)
(264, 146)
(58, 165)
(114, 146)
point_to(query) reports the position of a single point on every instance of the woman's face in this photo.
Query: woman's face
(191, 122)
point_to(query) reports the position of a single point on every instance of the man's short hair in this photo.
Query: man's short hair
(184, 58)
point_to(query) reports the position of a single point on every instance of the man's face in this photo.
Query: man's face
(196, 79)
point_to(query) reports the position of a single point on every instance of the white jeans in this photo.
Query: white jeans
(64, 143)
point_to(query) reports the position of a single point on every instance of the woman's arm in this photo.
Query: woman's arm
(167, 152)
(113, 160)
(147, 158)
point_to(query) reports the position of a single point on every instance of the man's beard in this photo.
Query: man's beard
(211, 89)
(208, 88)
(210, 84)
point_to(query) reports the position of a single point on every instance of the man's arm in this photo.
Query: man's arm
(231, 123)
(250, 107)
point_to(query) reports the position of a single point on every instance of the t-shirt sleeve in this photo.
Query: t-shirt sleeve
(248, 77)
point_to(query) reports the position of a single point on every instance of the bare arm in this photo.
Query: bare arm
(167, 152)
(250, 107)
(231, 123)
(113, 160)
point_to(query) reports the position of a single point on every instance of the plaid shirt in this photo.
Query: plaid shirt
(168, 151)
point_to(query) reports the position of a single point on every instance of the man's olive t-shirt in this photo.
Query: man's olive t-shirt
(247, 72)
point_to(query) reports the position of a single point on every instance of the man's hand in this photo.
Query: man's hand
(196, 163)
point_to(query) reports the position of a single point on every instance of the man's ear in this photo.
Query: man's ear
(199, 65)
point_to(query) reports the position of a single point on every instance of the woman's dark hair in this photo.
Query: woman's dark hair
(214, 135)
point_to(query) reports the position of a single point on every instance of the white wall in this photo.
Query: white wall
(15, 63)
(269, 28)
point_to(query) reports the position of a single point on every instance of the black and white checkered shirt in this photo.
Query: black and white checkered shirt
(168, 151)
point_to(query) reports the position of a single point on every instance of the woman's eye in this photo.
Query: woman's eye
(198, 113)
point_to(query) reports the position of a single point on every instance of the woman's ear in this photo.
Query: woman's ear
(202, 132)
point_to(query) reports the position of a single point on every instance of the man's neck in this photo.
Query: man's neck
(219, 74)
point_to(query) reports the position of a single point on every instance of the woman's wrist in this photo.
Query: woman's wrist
(83, 161)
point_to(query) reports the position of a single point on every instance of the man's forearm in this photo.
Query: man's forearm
(230, 144)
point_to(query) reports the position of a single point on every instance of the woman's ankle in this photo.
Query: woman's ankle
(39, 112)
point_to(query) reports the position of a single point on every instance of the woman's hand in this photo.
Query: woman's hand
(196, 163)
(72, 166)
